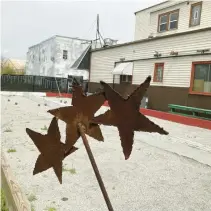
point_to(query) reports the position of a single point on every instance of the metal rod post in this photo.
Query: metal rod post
(58, 87)
(95, 168)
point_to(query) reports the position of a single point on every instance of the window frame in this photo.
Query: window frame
(156, 65)
(128, 82)
(64, 54)
(168, 20)
(192, 78)
(191, 9)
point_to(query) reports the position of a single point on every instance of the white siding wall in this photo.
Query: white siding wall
(177, 71)
(102, 62)
(142, 25)
(147, 20)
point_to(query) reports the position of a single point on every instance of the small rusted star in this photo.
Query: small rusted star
(52, 150)
(124, 114)
(82, 111)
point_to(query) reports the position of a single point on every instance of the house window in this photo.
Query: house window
(173, 20)
(158, 72)
(65, 54)
(201, 78)
(163, 23)
(195, 14)
(125, 79)
(168, 21)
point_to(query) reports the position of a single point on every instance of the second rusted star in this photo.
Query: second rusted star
(124, 114)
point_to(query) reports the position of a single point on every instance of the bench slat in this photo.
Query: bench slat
(206, 111)
(189, 115)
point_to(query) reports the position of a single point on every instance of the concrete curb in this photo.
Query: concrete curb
(38, 94)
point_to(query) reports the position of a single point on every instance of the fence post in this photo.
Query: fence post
(33, 81)
(66, 85)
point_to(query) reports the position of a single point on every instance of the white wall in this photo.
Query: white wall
(102, 61)
(41, 64)
(53, 48)
(147, 20)
(177, 70)
(74, 47)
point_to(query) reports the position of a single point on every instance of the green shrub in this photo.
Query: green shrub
(10, 71)
(7, 70)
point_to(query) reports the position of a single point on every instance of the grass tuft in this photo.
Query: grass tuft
(70, 170)
(50, 209)
(32, 197)
(3, 202)
(32, 207)
(8, 130)
(11, 150)
(44, 128)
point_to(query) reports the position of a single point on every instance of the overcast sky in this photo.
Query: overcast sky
(26, 23)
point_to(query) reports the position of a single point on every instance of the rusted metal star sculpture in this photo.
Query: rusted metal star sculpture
(78, 118)
(82, 111)
(125, 115)
(52, 150)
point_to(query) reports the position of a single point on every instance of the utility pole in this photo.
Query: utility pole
(98, 34)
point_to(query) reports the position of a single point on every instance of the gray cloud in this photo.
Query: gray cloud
(25, 23)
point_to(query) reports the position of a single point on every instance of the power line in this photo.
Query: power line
(92, 25)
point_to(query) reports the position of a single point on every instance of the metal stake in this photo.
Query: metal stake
(94, 166)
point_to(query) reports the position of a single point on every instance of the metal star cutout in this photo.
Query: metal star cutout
(125, 115)
(82, 111)
(52, 150)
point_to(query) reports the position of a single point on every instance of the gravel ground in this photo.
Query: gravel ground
(169, 173)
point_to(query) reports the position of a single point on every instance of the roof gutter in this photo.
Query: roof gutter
(163, 57)
(152, 39)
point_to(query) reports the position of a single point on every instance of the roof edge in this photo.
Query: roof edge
(74, 38)
(155, 38)
(84, 54)
(151, 6)
(42, 41)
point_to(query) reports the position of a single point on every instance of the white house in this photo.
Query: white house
(59, 56)
(173, 45)
(172, 17)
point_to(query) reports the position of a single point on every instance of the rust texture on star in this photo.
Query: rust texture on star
(82, 111)
(52, 150)
(125, 114)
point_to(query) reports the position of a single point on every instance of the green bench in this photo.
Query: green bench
(190, 111)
